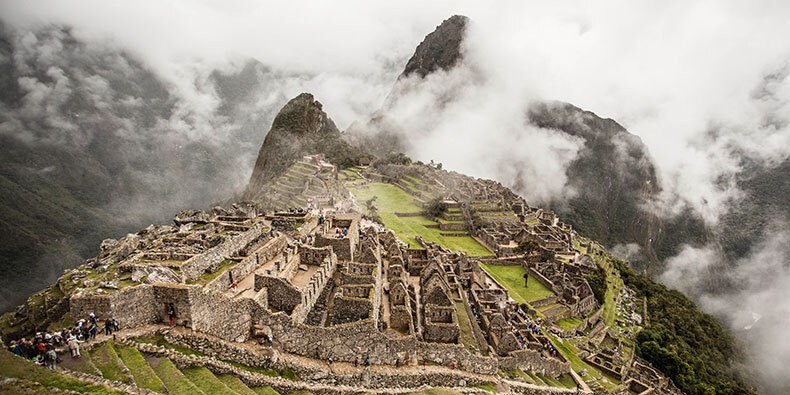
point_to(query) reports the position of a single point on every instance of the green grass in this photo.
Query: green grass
(106, 359)
(593, 374)
(174, 380)
(144, 375)
(206, 278)
(488, 387)
(265, 391)
(20, 368)
(391, 199)
(569, 323)
(206, 381)
(235, 384)
(512, 278)
(466, 336)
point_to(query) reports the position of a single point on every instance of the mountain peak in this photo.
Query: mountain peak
(300, 128)
(441, 49)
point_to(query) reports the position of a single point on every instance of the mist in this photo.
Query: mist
(704, 85)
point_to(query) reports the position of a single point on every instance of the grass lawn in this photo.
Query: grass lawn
(569, 323)
(467, 336)
(20, 368)
(235, 384)
(265, 391)
(144, 375)
(512, 278)
(206, 278)
(106, 359)
(488, 387)
(175, 381)
(391, 199)
(206, 381)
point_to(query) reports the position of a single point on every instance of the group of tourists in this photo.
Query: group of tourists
(341, 233)
(43, 348)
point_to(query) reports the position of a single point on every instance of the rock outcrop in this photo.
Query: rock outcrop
(440, 50)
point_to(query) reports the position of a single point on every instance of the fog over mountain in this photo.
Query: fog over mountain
(163, 106)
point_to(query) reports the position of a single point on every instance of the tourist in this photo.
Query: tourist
(356, 361)
(171, 314)
(74, 346)
(107, 327)
(51, 357)
(367, 361)
(115, 325)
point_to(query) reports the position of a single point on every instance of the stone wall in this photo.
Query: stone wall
(282, 296)
(535, 361)
(345, 342)
(195, 266)
(248, 265)
(215, 314)
(131, 306)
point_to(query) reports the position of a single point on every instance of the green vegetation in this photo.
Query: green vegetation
(593, 374)
(144, 376)
(265, 391)
(468, 328)
(206, 381)
(512, 278)
(569, 323)
(488, 387)
(20, 368)
(435, 208)
(235, 384)
(174, 380)
(597, 282)
(391, 199)
(689, 346)
(106, 359)
(206, 278)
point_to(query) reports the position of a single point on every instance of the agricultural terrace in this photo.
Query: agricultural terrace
(390, 199)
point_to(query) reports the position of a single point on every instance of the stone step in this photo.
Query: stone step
(235, 384)
(175, 381)
(207, 381)
(109, 364)
(144, 375)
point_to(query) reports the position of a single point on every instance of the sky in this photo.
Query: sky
(695, 80)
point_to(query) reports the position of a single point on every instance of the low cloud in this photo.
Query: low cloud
(751, 296)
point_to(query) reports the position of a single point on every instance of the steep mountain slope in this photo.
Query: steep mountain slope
(300, 128)
(93, 144)
(611, 179)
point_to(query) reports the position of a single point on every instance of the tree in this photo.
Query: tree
(435, 208)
